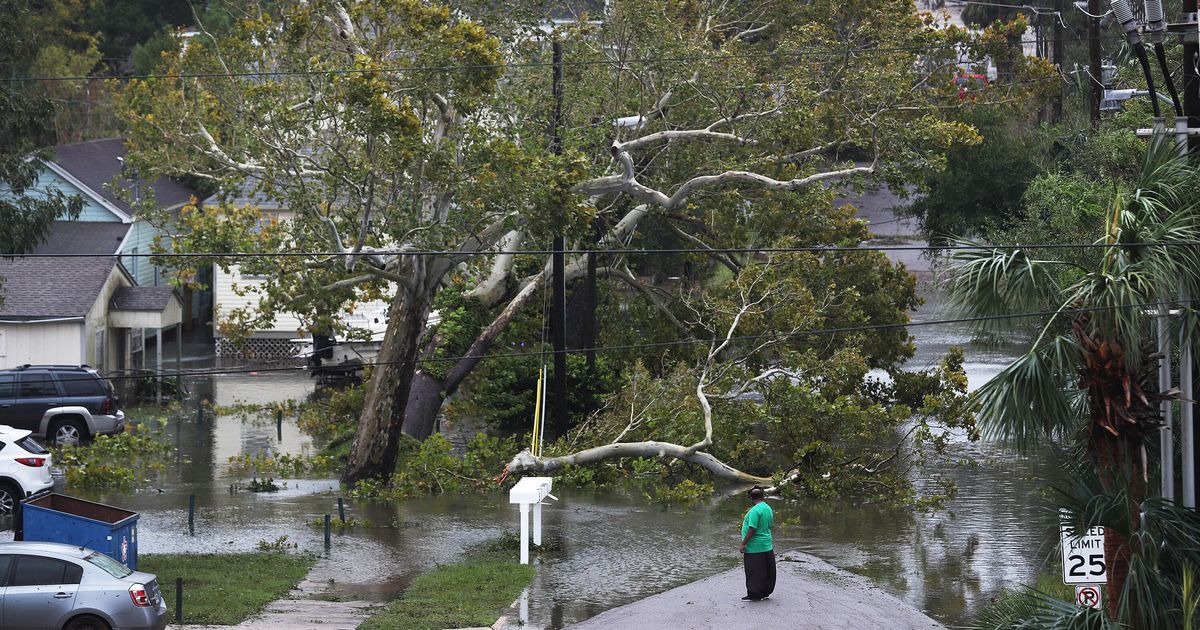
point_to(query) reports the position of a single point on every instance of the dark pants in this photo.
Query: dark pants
(760, 574)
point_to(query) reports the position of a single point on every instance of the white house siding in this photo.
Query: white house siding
(114, 348)
(285, 326)
(40, 343)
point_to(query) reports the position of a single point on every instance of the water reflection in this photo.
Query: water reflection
(616, 547)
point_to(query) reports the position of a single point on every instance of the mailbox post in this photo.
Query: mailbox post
(530, 491)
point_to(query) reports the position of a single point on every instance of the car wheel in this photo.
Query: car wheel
(9, 496)
(68, 432)
(86, 623)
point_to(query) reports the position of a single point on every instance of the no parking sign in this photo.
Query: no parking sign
(1088, 595)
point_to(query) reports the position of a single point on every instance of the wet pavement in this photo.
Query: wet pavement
(809, 593)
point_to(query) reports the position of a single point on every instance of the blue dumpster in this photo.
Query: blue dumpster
(63, 519)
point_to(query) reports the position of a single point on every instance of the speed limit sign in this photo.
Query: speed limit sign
(1083, 557)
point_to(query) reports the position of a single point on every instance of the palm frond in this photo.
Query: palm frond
(1189, 597)
(1174, 526)
(1032, 609)
(1165, 173)
(991, 283)
(1032, 399)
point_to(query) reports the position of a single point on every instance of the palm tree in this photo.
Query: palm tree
(1089, 374)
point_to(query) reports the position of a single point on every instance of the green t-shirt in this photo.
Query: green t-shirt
(760, 517)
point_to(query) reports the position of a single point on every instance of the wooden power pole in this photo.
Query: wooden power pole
(1095, 72)
(558, 307)
(1060, 10)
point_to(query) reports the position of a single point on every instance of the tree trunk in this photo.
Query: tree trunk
(1116, 558)
(1114, 464)
(376, 441)
(425, 398)
(427, 393)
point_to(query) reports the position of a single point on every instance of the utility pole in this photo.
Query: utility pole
(1191, 83)
(558, 307)
(1060, 8)
(589, 309)
(1191, 110)
(1094, 70)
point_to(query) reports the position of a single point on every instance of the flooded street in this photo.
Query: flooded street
(615, 547)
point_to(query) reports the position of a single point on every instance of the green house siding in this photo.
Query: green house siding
(49, 180)
(140, 241)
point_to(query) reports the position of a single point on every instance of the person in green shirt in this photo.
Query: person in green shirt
(757, 551)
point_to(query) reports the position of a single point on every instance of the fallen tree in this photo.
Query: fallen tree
(410, 171)
(764, 406)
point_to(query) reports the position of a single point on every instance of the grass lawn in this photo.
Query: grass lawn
(470, 593)
(225, 589)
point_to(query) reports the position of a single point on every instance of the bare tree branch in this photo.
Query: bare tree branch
(525, 462)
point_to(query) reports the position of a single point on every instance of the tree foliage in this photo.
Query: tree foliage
(25, 133)
(966, 200)
(1089, 376)
(393, 126)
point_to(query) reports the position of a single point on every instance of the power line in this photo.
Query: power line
(832, 54)
(659, 344)
(672, 250)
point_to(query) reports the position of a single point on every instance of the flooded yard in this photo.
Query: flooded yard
(615, 547)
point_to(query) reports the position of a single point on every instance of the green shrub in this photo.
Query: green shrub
(431, 467)
(120, 461)
(334, 416)
(281, 464)
(685, 493)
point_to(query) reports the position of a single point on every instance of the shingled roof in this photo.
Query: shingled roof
(142, 299)
(98, 162)
(82, 237)
(49, 288)
(247, 194)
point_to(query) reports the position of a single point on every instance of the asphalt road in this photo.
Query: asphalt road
(810, 594)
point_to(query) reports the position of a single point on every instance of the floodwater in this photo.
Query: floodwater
(613, 547)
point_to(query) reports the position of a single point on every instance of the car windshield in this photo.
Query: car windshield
(114, 568)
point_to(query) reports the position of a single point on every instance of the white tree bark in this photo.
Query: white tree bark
(524, 462)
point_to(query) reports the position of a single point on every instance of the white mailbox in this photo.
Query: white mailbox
(530, 491)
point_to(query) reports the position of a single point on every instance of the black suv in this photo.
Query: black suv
(66, 404)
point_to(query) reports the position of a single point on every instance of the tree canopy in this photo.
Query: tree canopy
(389, 127)
(25, 133)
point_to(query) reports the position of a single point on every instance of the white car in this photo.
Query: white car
(24, 467)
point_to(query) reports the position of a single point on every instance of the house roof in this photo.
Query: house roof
(97, 163)
(81, 237)
(247, 194)
(142, 299)
(48, 288)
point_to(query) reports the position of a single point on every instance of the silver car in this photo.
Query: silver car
(49, 586)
